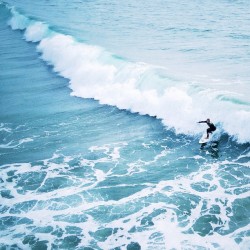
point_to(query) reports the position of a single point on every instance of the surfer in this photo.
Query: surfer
(210, 125)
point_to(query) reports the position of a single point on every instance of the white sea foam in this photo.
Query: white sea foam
(36, 32)
(5, 128)
(13, 144)
(18, 21)
(138, 87)
(25, 140)
(165, 230)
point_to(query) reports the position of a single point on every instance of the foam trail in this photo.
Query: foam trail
(138, 87)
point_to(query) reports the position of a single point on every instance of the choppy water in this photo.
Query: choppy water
(98, 135)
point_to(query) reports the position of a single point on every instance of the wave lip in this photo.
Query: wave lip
(95, 73)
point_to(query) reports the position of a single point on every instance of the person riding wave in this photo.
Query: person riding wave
(210, 125)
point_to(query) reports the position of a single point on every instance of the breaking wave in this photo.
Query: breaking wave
(147, 89)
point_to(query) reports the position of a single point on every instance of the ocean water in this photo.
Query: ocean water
(98, 124)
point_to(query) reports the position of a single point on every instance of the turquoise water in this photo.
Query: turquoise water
(98, 135)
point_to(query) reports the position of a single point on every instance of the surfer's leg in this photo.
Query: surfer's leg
(208, 131)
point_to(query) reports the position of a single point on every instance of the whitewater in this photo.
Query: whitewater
(98, 125)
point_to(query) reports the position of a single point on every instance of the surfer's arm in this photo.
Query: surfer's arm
(202, 122)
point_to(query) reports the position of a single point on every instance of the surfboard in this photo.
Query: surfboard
(204, 139)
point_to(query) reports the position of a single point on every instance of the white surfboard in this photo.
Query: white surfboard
(204, 139)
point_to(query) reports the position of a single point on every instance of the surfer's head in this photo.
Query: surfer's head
(208, 120)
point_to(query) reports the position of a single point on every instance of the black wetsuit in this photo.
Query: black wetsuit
(210, 125)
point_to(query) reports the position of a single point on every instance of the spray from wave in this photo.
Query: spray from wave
(95, 73)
